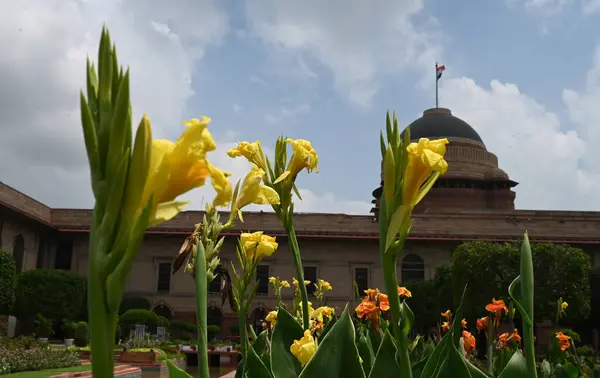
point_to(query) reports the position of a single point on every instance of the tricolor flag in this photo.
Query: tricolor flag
(439, 70)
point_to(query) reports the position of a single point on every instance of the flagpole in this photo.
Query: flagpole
(436, 84)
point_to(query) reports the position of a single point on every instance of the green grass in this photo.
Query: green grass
(49, 372)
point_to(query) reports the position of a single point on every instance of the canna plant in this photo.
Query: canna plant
(136, 183)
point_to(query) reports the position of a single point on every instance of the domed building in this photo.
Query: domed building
(473, 181)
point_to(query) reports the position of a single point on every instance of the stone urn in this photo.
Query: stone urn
(43, 340)
(69, 342)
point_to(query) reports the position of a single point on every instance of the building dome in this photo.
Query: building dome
(440, 123)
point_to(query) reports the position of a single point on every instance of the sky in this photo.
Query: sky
(524, 73)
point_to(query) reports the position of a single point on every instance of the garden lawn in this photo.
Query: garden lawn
(49, 372)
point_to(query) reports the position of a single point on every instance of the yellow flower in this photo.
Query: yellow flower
(273, 280)
(563, 306)
(295, 282)
(325, 286)
(304, 348)
(257, 245)
(221, 185)
(321, 312)
(176, 168)
(253, 191)
(271, 317)
(284, 283)
(251, 151)
(424, 158)
(304, 156)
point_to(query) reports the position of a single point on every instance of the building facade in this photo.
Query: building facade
(473, 201)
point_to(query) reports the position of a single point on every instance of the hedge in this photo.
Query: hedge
(137, 316)
(56, 294)
(13, 360)
(8, 282)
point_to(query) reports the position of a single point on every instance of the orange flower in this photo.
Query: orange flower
(505, 338)
(367, 309)
(564, 341)
(445, 326)
(384, 302)
(496, 307)
(463, 323)
(483, 324)
(371, 294)
(469, 342)
(404, 292)
(447, 314)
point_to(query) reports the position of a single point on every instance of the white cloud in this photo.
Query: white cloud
(285, 112)
(42, 69)
(358, 42)
(556, 167)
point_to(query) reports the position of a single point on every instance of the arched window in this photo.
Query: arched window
(18, 252)
(163, 310)
(257, 317)
(214, 316)
(413, 268)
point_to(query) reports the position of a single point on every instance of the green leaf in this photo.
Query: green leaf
(567, 370)
(385, 365)
(174, 370)
(283, 362)
(260, 343)
(366, 352)
(327, 328)
(397, 221)
(407, 318)
(255, 367)
(448, 360)
(337, 356)
(516, 367)
(389, 175)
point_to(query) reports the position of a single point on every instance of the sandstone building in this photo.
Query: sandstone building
(473, 201)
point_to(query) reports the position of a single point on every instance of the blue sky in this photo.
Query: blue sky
(521, 72)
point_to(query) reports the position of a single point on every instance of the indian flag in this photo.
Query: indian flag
(439, 70)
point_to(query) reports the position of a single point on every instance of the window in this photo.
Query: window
(64, 255)
(164, 278)
(262, 276)
(413, 268)
(310, 274)
(18, 252)
(215, 285)
(361, 277)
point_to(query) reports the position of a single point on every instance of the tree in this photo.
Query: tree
(8, 282)
(488, 268)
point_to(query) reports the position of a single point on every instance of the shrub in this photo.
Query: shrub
(57, 294)
(213, 331)
(132, 317)
(68, 328)
(442, 283)
(424, 302)
(594, 277)
(43, 326)
(163, 322)
(134, 303)
(180, 330)
(82, 334)
(13, 360)
(8, 282)
(586, 351)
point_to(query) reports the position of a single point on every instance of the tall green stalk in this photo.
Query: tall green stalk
(391, 285)
(100, 321)
(295, 249)
(388, 261)
(201, 308)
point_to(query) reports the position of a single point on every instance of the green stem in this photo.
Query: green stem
(391, 284)
(243, 334)
(295, 249)
(101, 325)
(490, 346)
(201, 308)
